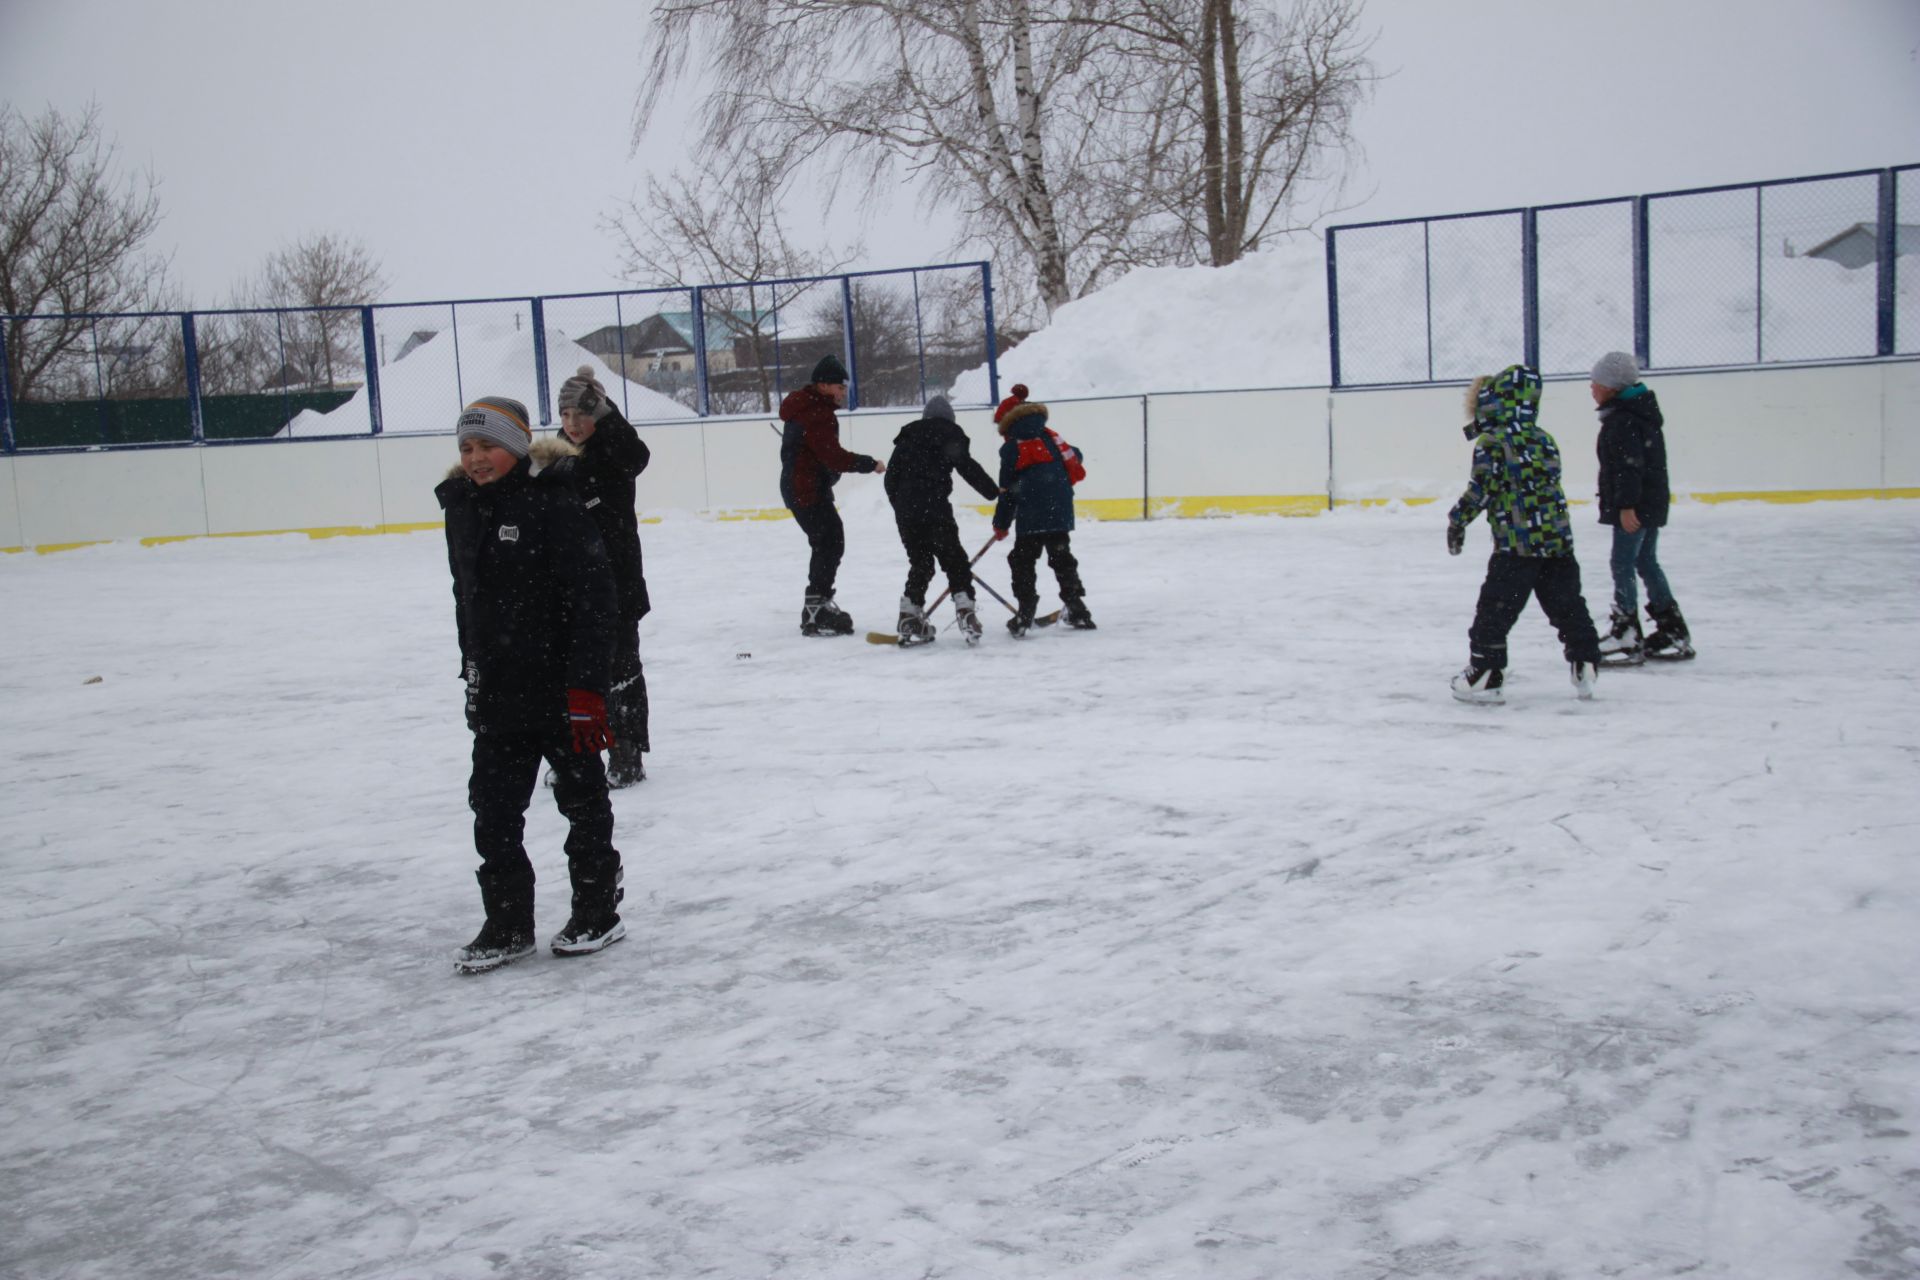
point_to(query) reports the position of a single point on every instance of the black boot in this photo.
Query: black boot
(505, 937)
(595, 923)
(1670, 641)
(1623, 645)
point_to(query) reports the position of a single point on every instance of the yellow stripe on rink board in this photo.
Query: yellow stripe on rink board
(1804, 495)
(1091, 508)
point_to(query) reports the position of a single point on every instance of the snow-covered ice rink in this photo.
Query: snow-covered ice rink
(1218, 942)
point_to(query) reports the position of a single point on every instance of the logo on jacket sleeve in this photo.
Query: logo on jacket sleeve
(509, 533)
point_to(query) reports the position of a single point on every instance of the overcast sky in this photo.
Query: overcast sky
(476, 146)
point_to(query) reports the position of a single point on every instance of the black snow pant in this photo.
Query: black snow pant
(1024, 560)
(929, 539)
(1511, 579)
(627, 698)
(506, 766)
(828, 538)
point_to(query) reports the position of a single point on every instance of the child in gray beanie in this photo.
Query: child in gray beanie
(1634, 499)
(919, 479)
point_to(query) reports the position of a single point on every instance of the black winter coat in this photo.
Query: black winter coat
(602, 472)
(919, 475)
(1633, 458)
(533, 596)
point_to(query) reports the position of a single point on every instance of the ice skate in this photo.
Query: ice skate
(1480, 688)
(1074, 614)
(1583, 675)
(967, 617)
(913, 627)
(624, 765)
(820, 616)
(1623, 645)
(1670, 641)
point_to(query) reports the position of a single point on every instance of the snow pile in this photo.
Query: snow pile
(426, 389)
(1261, 322)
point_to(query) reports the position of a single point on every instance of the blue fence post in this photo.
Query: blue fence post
(1426, 273)
(847, 343)
(919, 337)
(1530, 287)
(1759, 275)
(1333, 306)
(620, 345)
(702, 396)
(993, 339)
(6, 396)
(1642, 288)
(370, 348)
(191, 350)
(540, 382)
(1888, 237)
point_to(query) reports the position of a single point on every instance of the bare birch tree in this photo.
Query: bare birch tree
(1074, 137)
(72, 243)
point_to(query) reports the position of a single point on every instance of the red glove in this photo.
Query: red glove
(998, 533)
(587, 712)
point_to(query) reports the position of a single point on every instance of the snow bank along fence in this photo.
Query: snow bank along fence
(1804, 268)
(1784, 434)
(106, 381)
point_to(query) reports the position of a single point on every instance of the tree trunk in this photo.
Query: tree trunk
(1036, 198)
(1212, 144)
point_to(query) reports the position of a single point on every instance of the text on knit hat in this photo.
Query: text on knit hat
(499, 420)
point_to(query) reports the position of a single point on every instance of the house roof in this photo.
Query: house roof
(1848, 246)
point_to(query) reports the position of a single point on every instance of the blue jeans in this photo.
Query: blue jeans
(1638, 552)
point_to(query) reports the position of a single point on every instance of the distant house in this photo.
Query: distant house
(419, 337)
(1859, 244)
(664, 343)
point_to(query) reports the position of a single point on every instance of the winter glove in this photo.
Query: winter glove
(587, 713)
(583, 392)
(998, 533)
(1456, 538)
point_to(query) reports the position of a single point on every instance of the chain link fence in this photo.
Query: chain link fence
(1799, 269)
(104, 381)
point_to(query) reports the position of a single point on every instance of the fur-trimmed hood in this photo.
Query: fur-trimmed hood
(545, 453)
(1025, 409)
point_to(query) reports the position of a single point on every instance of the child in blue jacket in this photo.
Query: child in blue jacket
(1037, 473)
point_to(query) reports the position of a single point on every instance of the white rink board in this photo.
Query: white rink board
(1238, 444)
(97, 496)
(1830, 431)
(251, 487)
(10, 535)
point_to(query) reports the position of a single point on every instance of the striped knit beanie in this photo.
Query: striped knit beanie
(498, 420)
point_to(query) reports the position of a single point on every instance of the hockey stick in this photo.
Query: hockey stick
(1044, 620)
(887, 637)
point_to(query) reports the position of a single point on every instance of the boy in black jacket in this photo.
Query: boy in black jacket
(534, 602)
(919, 479)
(1634, 497)
(611, 457)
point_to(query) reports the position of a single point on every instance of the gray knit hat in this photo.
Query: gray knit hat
(499, 420)
(583, 392)
(1616, 369)
(938, 408)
